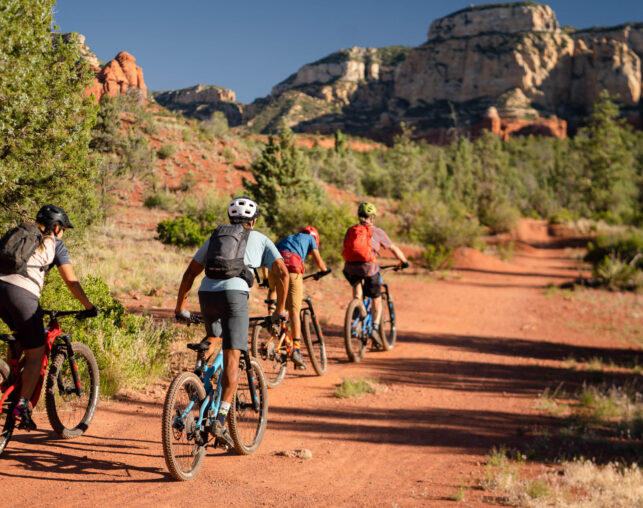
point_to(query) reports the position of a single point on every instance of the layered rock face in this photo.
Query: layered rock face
(202, 101)
(508, 67)
(119, 76)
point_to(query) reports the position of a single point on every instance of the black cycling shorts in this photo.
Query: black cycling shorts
(372, 283)
(21, 311)
(226, 315)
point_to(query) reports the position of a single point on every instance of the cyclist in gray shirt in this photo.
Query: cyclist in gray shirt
(224, 302)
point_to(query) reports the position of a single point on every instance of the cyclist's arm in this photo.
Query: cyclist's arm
(318, 260)
(282, 279)
(398, 253)
(68, 274)
(192, 272)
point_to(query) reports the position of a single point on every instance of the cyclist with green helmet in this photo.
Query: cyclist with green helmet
(362, 244)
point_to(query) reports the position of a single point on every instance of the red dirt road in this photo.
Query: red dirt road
(473, 353)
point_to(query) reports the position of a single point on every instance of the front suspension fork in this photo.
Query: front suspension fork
(251, 381)
(78, 389)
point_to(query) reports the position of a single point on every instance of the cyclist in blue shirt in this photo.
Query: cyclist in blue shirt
(294, 249)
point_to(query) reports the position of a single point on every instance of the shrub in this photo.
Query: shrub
(166, 151)
(129, 349)
(163, 200)
(186, 231)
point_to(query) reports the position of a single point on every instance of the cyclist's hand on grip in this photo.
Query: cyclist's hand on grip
(403, 265)
(277, 318)
(183, 316)
(319, 275)
(87, 313)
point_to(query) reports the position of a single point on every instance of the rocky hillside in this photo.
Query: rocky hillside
(202, 101)
(509, 68)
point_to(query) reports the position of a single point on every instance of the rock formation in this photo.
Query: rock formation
(119, 76)
(202, 101)
(508, 68)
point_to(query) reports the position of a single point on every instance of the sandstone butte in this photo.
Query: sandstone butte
(119, 76)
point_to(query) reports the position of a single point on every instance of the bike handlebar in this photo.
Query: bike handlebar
(317, 275)
(79, 314)
(396, 268)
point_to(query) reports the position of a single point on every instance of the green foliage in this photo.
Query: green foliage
(186, 231)
(217, 125)
(282, 177)
(166, 151)
(45, 120)
(129, 349)
(163, 200)
(617, 260)
(350, 388)
(340, 142)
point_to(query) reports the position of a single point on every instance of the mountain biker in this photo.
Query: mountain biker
(294, 249)
(368, 270)
(224, 301)
(20, 307)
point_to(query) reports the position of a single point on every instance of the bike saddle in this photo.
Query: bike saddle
(199, 347)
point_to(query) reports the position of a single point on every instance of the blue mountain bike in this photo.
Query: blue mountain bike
(192, 403)
(359, 320)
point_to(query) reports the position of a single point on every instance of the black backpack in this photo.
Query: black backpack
(16, 248)
(224, 259)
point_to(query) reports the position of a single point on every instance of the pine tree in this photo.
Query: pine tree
(282, 177)
(45, 120)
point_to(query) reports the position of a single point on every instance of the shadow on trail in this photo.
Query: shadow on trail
(539, 350)
(463, 429)
(75, 468)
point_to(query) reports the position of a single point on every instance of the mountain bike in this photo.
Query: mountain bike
(273, 346)
(192, 403)
(71, 384)
(359, 320)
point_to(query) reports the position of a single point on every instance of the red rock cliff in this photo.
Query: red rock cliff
(119, 76)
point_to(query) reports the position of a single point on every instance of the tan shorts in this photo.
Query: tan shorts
(295, 291)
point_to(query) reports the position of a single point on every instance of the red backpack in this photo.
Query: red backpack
(358, 244)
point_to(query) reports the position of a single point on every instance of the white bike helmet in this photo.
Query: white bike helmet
(242, 209)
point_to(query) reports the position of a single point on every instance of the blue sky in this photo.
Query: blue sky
(250, 46)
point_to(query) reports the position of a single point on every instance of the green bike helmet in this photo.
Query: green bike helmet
(366, 210)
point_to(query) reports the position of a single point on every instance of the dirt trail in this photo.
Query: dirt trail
(473, 352)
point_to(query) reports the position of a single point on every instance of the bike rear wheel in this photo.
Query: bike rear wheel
(354, 338)
(269, 358)
(7, 422)
(314, 342)
(70, 414)
(184, 456)
(388, 331)
(247, 424)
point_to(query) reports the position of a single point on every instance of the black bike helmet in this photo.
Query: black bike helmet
(50, 215)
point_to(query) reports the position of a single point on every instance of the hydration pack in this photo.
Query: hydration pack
(16, 248)
(358, 245)
(226, 251)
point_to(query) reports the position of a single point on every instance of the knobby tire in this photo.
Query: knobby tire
(183, 456)
(7, 422)
(388, 330)
(69, 414)
(314, 342)
(247, 425)
(353, 340)
(273, 368)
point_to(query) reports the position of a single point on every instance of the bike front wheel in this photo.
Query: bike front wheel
(182, 444)
(354, 338)
(248, 418)
(388, 331)
(69, 413)
(314, 342)
(7, 422)
(263, 347)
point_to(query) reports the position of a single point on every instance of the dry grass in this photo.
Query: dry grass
(131, 261)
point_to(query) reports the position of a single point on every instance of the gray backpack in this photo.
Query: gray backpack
(226, 251)
(16, 248)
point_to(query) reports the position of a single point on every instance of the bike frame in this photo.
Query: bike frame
(52, 332)
(210, 405)
(367, 323)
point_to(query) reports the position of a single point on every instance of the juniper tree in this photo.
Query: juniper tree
(45, 120)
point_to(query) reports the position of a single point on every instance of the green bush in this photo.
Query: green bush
(163, 200)
(617, 260)
(129, 349)
(186, 231)
(166, 151)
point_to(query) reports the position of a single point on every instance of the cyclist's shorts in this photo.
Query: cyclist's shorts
(372, 283)
(226, 314)
(20, 310)
(295, 291)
